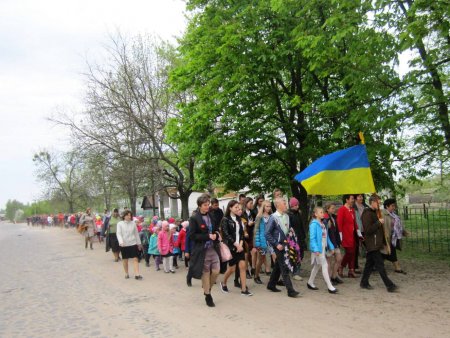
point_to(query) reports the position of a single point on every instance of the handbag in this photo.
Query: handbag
(81, 228)
(225, 254)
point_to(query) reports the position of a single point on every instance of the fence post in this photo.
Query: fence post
(405, 212)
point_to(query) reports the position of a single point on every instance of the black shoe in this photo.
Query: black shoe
(209, 300)
(258, 280)
(293, 294)
(312, 287)
(366, 286)
(338, 280)
(392, 288)
(252, 271)
(237, 284)
(224, 288)
(333, 291)
(273, 289)
(138, 277)
(127, 276)
(246, 293)
(147, 264)
(281, 283)
(248, 275)
(268, 273)
(188, 282)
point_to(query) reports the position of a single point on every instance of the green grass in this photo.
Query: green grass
(428, 233)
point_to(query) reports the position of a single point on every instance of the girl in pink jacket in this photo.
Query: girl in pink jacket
(165, 247)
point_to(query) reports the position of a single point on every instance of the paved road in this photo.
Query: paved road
(50, 286)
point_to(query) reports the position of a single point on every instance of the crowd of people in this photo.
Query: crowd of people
(254, 237)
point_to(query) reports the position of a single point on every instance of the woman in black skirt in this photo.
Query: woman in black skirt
(129, 242)
(233, 237)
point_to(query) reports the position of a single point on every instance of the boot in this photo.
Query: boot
(341, 272)
(351, 273)
(209, 300)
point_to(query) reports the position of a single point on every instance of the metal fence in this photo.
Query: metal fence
(428, 228)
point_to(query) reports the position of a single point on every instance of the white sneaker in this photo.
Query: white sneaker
(297, 277)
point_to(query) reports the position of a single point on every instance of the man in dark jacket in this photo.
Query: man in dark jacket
(276, 234)
(215, 211)
(374, 241)
(296, 221)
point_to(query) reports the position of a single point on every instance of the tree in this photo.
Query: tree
(277, 84)
(422, 28)
(128, 104)
(61, 174)
(13, 210)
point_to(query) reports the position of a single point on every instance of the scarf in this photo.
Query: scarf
(397, 229)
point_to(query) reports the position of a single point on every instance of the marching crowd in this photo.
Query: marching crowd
(252, 238)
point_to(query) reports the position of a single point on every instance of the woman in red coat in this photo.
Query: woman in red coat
(347, 229)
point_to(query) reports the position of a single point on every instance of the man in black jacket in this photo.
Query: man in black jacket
(374, 241)
(215, 211)
(296, 221)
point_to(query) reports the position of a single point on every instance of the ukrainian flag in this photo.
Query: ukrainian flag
(342, 172)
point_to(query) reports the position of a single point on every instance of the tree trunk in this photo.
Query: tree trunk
(133, 200)
(300, 193)
(71, 208)
(161, 207)
(184, 198)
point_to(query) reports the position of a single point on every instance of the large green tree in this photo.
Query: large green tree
(277, 84)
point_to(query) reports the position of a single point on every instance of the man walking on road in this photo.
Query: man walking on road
(276, 234)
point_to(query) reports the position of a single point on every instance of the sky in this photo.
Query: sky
(44, 46)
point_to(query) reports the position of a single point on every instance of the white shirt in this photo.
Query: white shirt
(237, 229)
(127, 233)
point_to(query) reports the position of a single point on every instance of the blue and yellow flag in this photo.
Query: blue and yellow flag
(342, 172)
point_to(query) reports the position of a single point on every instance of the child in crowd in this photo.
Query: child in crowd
(145, 239)
(176, 250)
(319, 242)
(153, 247)
(333, 234)
(181, 242)
(98, 228)
(165, 247)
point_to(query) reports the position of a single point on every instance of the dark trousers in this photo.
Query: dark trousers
(145, 253)
(280, 268)
(374, 259)
(356, 251)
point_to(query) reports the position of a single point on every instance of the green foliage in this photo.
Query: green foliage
(277, 84)
(422, 29)
(12, 209)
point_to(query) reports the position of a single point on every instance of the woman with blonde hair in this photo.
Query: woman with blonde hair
(260, 237)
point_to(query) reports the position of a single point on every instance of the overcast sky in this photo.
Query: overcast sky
(44, 46)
